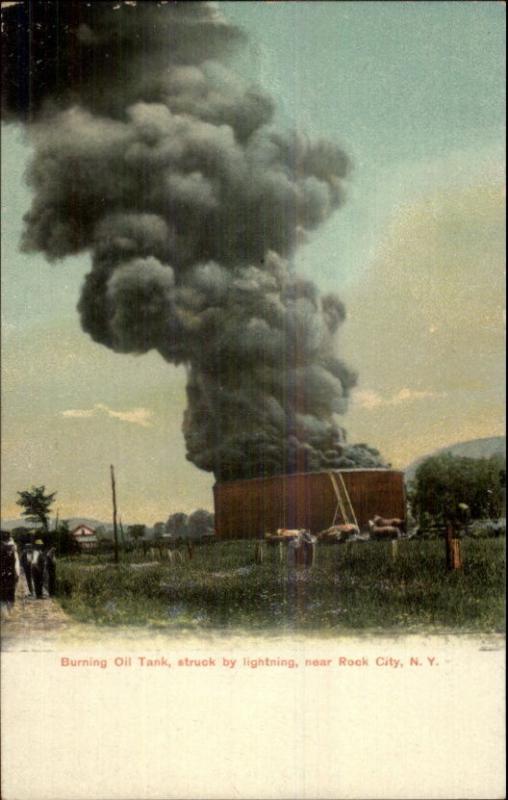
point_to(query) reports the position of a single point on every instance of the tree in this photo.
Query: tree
(444, 483)
(201, 523)
(136, 531)
(159, 530)
(64, 541)
(37, 505)
(21, 535)
(176, 525)
(102, 534)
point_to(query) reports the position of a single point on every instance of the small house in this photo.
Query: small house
(85, 537)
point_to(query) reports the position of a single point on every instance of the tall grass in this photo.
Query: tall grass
(350, 588)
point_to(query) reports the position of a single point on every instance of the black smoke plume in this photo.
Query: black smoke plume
(153, 156)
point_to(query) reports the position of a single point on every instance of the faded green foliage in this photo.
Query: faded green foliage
(36, 504)
(443, 482)
(136, 531)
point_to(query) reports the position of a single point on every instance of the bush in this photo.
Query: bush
(487, 528)
(458, 488)
(200, 523)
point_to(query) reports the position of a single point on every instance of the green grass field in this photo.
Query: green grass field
(350, 589)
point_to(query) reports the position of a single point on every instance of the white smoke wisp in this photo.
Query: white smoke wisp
(151, 154)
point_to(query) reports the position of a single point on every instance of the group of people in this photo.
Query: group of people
(38, 565)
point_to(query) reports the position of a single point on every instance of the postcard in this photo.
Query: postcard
(253, 446)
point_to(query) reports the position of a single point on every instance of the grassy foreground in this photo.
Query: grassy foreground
(350, 589)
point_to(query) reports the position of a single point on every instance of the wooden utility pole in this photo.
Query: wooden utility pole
(115, 529)
(122, 535)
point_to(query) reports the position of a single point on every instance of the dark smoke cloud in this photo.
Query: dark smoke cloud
(105, 55)
(151, 154)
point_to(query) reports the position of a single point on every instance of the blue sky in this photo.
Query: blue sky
(415, 93)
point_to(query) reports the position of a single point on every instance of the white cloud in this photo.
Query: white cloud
(136, 416)
(369, 399)
(79, 413)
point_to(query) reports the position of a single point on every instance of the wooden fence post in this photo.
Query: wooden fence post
(310, 554)
(302, 556)
(453, 553)
(395, 549)
(456, 557)
(259, 552)
(448, 545)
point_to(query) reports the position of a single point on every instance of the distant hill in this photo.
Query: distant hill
(9, 524)
(474, 448)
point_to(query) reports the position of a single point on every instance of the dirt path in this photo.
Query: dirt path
(30, 617)
(39, 624)
(42, 626)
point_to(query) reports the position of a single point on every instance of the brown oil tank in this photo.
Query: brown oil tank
(246, 509)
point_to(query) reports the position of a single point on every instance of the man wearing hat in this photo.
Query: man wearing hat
(26, 563)
(51, 570)
(38, 567)
(9, 571)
